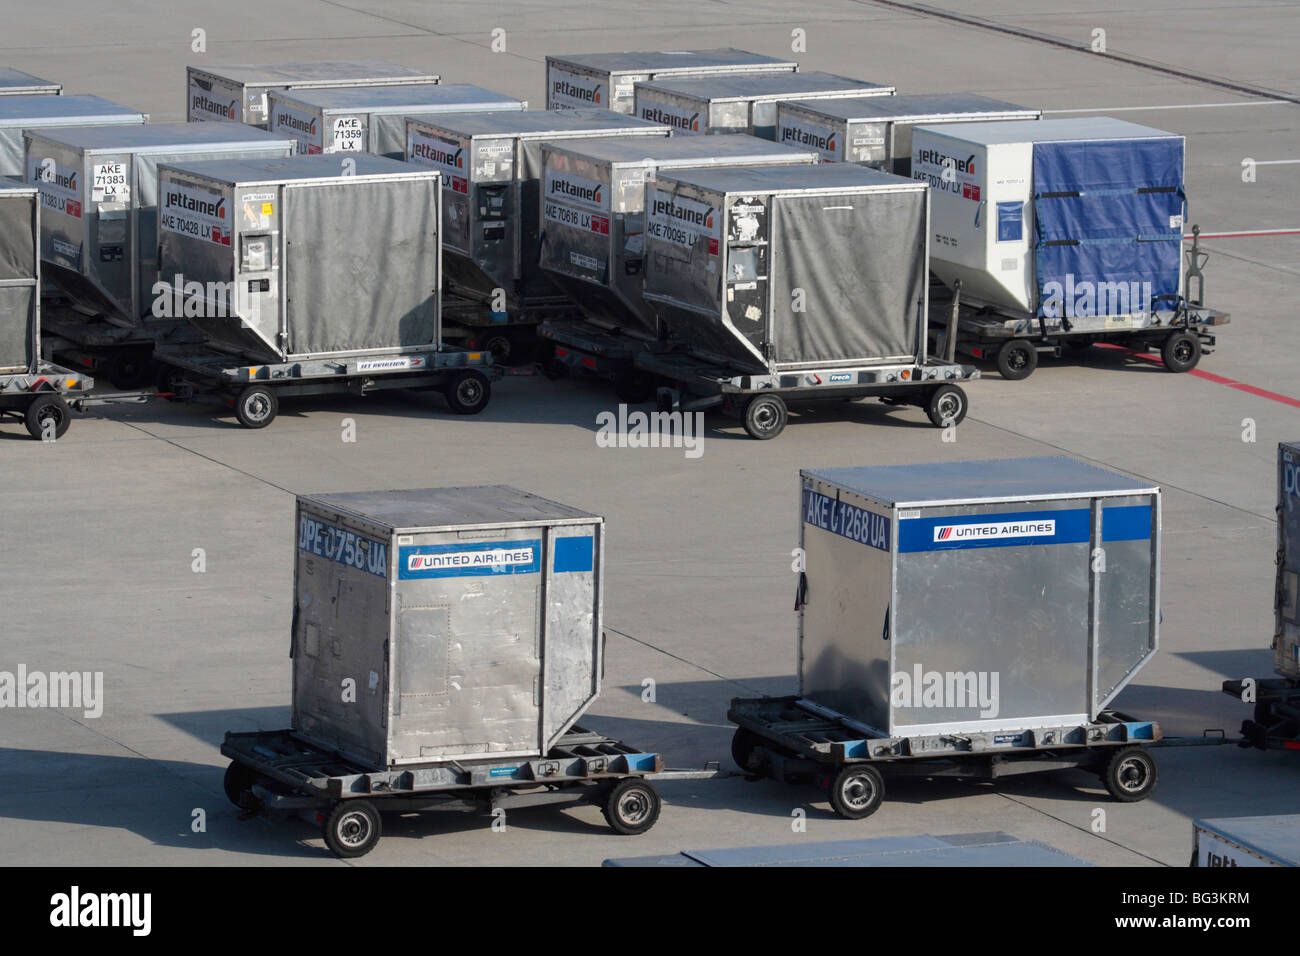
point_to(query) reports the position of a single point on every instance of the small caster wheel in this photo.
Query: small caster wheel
(1181, 352)
(1017, 359)
(1130, 774)
(468, 392)
(632, 806)
(946, 406)
(352, 828)
(47, 417)
(238, 784)
(256, 406)
(858, 791)
(765, 416)
(743, 744)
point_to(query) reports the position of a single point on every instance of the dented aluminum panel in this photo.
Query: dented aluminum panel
(468, 620)
(976, 596)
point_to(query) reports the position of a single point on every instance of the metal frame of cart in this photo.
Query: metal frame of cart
(280, 771)
(43, 397)
(791, 737)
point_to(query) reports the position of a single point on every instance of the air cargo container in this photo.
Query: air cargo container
(372, 120)
(19, 113)
(1062, 231)
(739, 104)
(1247, 841)
(795, 283)
(587, 80)
(17, 83)
(32, 390)
(877, 130)
(978, 612)
(1276, 700)
(237, 93)
(593, 211)
(99, 235)
(491, 165)
(307, 275)
(469, 621)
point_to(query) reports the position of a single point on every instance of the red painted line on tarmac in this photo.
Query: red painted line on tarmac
(1211, 377)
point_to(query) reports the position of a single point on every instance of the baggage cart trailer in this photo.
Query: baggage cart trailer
(971, 618)
(32, 390)
(1275, 724)
(35, 111)
(1061, 234)
(237, 92)
(586, 80)
(792, 284)
(17, 83)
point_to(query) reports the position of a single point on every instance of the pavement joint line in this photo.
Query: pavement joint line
(689, 663)
(425, 30)
(199, 454)
(1075, 826)
(1256, 262)
(980, 23)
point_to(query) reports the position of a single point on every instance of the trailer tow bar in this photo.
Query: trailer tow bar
(712, 771)
(1208, 738)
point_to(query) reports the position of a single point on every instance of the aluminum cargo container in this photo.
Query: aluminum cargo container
(20, 279)
(1286, 644)
(17, 83)
(976, 596)
(739, 104)
(372, 120)
(790, 268)
(469, 620)
(237, 93)
(877, 130)
(607, 79)
(491, 165)
(99, 184)
(594, 214)
(328, 259)
(1073, 218)
(1247, 841)
(18, 113)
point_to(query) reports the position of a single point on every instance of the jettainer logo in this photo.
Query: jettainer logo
(59, 186)
(575, 189)
(819, 139)
(195, 213)
(448, 157)
(659, 114)
(204, 105)
(566, 88)
(681, 221)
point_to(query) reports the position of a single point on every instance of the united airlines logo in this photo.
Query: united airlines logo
(993, 530)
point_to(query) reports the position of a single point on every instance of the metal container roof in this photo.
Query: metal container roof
(775, 86)
(79, 109)
(765, 179)
(911, 107)
(11, 188)
(671, 61)
(395, 99)
(159, 137)
(432, 508)
(1081, 129)
(295, 168)
(17, 82)
(271, 74)
(539, 123)
(683, 150)
(1271, 836)
(998, 479)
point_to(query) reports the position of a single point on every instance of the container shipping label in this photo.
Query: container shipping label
(341, 546)
(59, 186)
(469, 560)
(811, 136)
(196, 213)
(304, 128)
(681, 221)
(947, 170)
(846, 520)
(574, 91)
(681, 118)
(444, 155)
(110, 182)
(1021, 529)
(211, 101)
(576, 191)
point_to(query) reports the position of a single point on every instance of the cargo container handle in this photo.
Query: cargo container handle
(801, 594)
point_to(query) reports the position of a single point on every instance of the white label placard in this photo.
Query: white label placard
(111, 182)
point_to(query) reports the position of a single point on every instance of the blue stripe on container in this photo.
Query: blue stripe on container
(574, 554)
(1126, 523)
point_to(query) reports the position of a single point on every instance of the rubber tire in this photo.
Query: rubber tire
(846, 799)
(765, 416)
(501, 355)
(1115, 769)
(468, 392)
(743, 743)
(641, 794)
(938, 410)
(1017, 359)
(264, 406)
(1181, 352)
(238, 784)
(346, 815)
(48, 405)
(127, 371)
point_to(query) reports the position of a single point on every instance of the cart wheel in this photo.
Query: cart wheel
(1181, 351)
(501, 346)
(238, 784)
(127, 371)
(352, 828)
(1130, 774)
(857, 791)
(632, 806)
(45, 410)
(946, 406)
(256, 406)
(468, 392)
(743, 744)
(1017, 359)
(765, 416)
